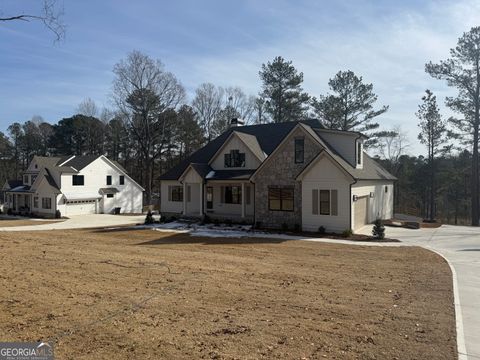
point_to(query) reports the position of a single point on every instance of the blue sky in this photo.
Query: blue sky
(225, 42)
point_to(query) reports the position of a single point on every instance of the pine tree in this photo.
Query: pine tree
(282, 91)
(351, 106)
(378, 230)
(432, 134)
(462, 71)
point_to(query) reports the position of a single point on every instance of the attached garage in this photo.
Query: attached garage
(80, 207)
(360, 213)
(79, 204)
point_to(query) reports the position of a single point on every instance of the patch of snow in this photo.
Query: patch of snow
(210, 174)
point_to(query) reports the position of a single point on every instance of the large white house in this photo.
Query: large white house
(73, 185)
(294, 174)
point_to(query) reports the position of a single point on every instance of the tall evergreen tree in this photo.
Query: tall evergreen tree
(432, 135)
(462, 71)
(351, 106)
(282, 91)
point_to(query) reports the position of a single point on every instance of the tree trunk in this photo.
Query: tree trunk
(148, 181)
(475, 174)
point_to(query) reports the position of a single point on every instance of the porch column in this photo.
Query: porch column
(243, 199)
(201, 199)
(184, 198)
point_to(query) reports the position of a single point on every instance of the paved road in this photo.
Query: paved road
(461, 246)
(82, 222)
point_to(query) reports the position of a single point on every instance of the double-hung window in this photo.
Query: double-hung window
(78, 180)
(324, 202)
(175, 193)
(280, 198)
(299, 150)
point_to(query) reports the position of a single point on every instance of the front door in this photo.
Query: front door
(209, 197)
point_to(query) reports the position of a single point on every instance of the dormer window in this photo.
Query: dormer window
(234, 159)
(359, 153)
(25, 179)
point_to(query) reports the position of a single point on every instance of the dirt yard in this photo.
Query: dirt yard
(24, 222)
(149, 295)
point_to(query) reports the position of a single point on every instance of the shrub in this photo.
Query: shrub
(149, 218)
(296, 227)
(9, 211)
(206, 219)
(58, 214)
(378, 230)
(347, 233)
(284, 226)
(322, 230)
(216, 222)
(258, 225)
(228, 222)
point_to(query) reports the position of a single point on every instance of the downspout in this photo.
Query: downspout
(204, 183)
(354, 182)
(254, 205)
(351, 202)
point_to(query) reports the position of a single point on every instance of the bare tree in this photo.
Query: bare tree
(391, 145)
(207, 104)
(88, 108)
(143, 92)
(51, 15)
(243, 104)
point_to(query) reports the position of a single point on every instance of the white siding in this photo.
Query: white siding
(324, 175)
(192, 177)
(169, 206)
(44, 191)
(251, 161)
(381, 205)
(129, 198)
(193, 202)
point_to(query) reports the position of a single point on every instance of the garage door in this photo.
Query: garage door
(79, 207)
(361, 212)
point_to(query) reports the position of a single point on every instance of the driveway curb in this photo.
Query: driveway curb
(461, 347)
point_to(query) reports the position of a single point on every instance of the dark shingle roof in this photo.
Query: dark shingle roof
(14, 183)
(81, 161)
(268, 136)
(50, 179)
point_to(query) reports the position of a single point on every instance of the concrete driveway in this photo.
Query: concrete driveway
(82, 222)
(460, 245)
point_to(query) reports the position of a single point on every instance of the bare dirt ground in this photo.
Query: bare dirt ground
(142, 294)
(21, 222)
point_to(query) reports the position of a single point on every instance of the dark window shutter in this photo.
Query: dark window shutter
(247, 194)
(315, 202)
(334, 202)
(222, 194)
(189, 193)
(169, 193)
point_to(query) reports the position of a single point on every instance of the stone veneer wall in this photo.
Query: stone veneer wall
(282, 171)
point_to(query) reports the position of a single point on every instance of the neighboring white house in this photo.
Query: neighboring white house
(74, 185)
(294, 174)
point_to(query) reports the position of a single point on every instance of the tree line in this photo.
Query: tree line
(152, 126)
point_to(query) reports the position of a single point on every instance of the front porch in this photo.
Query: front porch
(19, 202)
(232, 200)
